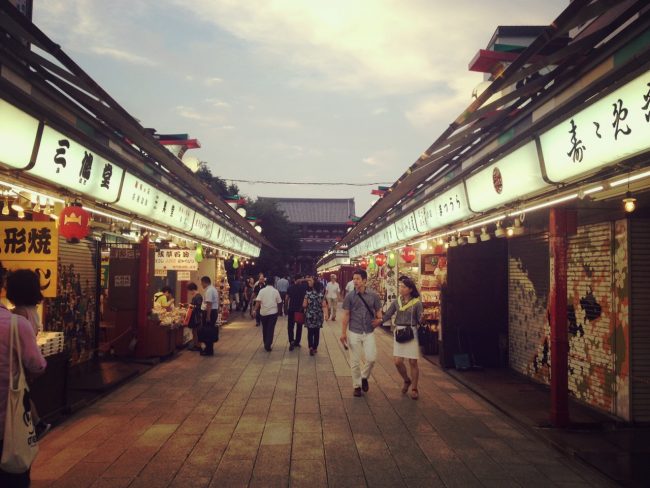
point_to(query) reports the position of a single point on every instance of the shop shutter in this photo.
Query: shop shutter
(528, 287)
(81, 283)
(640, 319)
(592, 373)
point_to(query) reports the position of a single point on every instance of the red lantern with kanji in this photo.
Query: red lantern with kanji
(380, 259)
(73, 223)
(408, 254)
(363, 264)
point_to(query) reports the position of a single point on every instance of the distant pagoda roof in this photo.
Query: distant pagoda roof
(315, 210)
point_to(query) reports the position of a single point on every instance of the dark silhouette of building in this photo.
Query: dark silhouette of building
(321, 223)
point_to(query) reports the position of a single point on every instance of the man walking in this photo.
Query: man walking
(332, 292)
(294, 301)
(211, 312)
(266, 307)
(282, 286)
(361, 315)
(259, 285)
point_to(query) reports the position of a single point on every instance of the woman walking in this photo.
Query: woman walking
(196, 319)
(316, 308)
(408, 308)
(248, 294)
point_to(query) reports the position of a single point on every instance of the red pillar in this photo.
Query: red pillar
(143, 282)
(559, 230)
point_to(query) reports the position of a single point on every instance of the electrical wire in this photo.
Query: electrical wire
(320, 183)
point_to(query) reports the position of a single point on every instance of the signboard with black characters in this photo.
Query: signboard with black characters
(31, 245)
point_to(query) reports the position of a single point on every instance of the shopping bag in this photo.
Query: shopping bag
(299, 317)
(19, 447)
(188, 316)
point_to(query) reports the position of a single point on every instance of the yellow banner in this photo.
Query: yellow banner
(46, 271)
(28, 241)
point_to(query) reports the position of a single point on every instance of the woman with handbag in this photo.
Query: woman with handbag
(18, 352)
(196, 317)
(407, 309)
(315, 305)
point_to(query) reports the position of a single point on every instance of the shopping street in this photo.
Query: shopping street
(250, 418)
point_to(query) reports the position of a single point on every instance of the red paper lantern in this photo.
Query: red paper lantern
(380, 259)
(363, 264)
(73, 223)
(408, 253)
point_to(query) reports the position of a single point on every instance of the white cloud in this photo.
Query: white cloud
(216, 103)
(370, 161)
(279, 123)
(193, 114)
(374, 46)
(380, 111)
(120, 55)
(212, 81)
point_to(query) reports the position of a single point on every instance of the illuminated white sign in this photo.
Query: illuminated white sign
(406, 227)
(202, 226)
(65, 162)
(447, 208)
(17, 136)
(139, 197)
(613, 128)
(511, 177)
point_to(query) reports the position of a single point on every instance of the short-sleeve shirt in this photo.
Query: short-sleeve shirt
(211, 295)
(296, 295)
(333, 289)
(360, 318)
(269, 299)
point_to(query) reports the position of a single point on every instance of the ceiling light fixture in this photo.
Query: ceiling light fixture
(499, 232)
(629, 202)
(485, 236)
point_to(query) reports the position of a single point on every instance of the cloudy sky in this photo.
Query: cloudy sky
(290, 90)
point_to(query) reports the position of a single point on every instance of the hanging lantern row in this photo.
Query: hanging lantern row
(407, 253)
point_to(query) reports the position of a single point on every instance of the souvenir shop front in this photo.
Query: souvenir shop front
(540, 196)
(89, 185)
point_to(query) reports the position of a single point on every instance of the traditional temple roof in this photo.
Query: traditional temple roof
(315, 210)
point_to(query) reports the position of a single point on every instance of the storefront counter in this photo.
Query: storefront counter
(49, 391)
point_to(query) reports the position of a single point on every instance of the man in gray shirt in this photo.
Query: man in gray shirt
(361, 315)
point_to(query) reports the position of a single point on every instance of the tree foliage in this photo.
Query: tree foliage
(277, 229)
(216, 184)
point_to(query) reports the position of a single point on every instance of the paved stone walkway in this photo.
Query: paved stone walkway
(250, 418)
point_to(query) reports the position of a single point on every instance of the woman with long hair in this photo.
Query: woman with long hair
(407, 309)
(315, 306)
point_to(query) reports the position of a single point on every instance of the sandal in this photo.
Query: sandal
(405, 388)
(414, 393)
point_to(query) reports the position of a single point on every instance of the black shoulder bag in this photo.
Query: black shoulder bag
(372, 315)
(405, 334)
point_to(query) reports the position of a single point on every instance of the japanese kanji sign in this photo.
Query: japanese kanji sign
(64, 161)
(28, 241)
(31, 245)
(175, 259)
(611, 129)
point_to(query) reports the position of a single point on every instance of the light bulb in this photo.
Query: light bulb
(21, 214)
(510, 231)
(484, 234)
(5, 207)
(441, 241)
(629, 202)
(423, 246)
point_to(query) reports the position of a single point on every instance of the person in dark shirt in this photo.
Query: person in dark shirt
(261, 283)
(294, 303)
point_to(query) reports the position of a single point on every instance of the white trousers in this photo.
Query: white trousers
(359, 343)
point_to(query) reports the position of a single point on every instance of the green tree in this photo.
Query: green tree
(216, 184)
(283, 235)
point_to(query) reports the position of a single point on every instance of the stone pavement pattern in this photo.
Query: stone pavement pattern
(250, 418)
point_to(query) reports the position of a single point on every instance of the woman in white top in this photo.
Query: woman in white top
(408, 309)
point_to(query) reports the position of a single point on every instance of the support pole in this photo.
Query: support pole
(559, 230)
(143, 283)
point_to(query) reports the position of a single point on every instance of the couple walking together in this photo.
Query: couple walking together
(362, 315)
